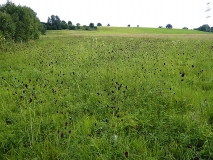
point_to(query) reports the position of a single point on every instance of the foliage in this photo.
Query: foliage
(160, 27)
(108, 24)
(19, 23)
(169, 26)
(64, 25)
(185, 27)
(7, 27)
(78, 27)
(69, 22)
(128, 25)
(43, 28)
(205, 28)
(91, 25)
(71, 27)
(54, 23)
(99, 24)
(107, 97)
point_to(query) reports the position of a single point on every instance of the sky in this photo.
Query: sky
(145, 13)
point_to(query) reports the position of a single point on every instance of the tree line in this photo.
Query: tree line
(21, 24)
(55, 23)
(205, 28)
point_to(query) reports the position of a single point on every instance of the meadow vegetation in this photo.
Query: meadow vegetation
(72, 95)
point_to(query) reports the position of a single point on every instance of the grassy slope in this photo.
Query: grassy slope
(135, 30)
(127, 31)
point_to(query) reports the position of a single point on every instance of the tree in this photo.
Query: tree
(204, 27)
(7, 27)
(128, 25)
(71, 27)
(160, 27)
(168, 26)
(58, 22)
(99, 24)
(78, 26)
(69, 22)
(108, 24)
(64, 25)
(91, 25)
(54, 23)
(185, 27)
(19, 22)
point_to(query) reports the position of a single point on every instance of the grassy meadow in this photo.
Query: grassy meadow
(91, 95)
(128, 31)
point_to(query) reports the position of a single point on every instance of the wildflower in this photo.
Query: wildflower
(126, 154)
(62, 135)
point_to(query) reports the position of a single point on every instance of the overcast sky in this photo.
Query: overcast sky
(146, 13)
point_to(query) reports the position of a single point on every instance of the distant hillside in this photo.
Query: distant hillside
(140, 30)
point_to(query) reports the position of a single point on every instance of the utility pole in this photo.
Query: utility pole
(208, 9)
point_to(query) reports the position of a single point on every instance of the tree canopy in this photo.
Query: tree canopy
(205, 28)
(169, 26)
(54, 23)
(19, 23)
(91, 25)
(99, 24)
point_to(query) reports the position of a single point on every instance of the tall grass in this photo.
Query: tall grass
(87, 97)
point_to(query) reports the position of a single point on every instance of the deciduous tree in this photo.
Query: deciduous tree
(19, 22)
(99, 24)
(168, 26)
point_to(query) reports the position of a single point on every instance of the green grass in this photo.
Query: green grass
(70, 96)
(137, 31)
(140, 30)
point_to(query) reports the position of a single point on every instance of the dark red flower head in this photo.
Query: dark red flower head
(126, 154)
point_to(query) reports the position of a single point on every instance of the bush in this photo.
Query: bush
(87, 28)
(43, 28)
(7, 26)
(78, 27)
